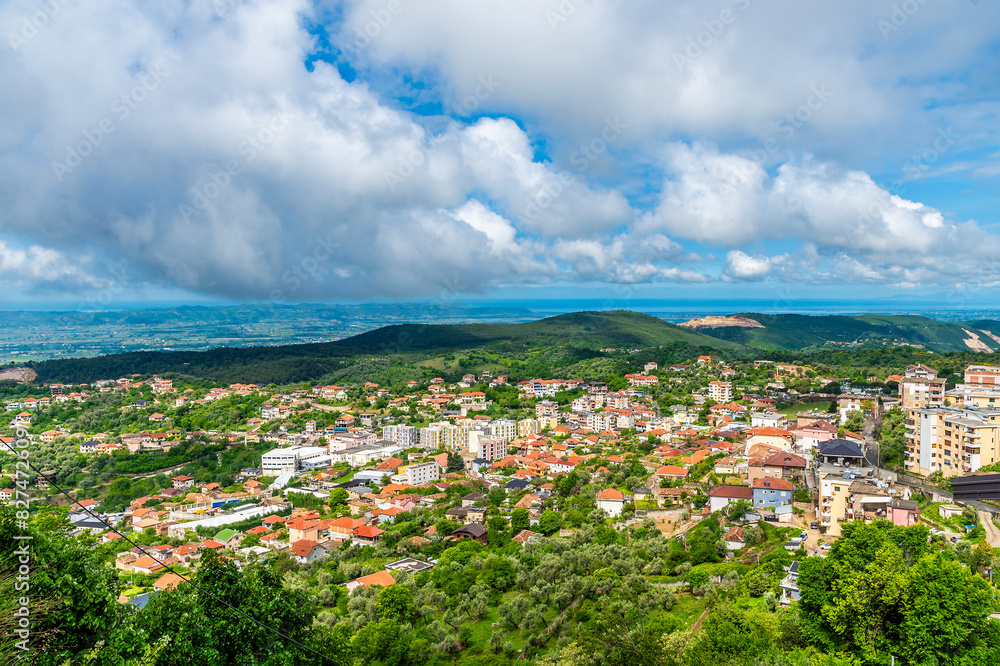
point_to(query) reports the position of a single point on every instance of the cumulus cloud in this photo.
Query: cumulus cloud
(191, 142)
(742, 266)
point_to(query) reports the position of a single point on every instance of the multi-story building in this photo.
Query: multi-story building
(982, 377)
(419, 473)
(921, 387)
(834, 497)
(917, 392)
(527, 427)
(488, 448)
(951, 440)
(546, 408)
(342, 441)
(444, 435)
(289, 459)
(720, 391)
(404, 435)
(502, 428)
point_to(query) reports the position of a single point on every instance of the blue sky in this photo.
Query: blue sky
(239, 151)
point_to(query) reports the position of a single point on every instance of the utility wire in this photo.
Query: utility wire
(185, 579)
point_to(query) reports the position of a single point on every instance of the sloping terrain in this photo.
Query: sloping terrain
(289, 363)
(806, 333)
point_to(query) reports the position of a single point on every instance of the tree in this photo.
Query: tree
(338, 497)
(550, 521)
(519, 520)
(855, 421)
(868, 609)
(455, 463)
(498, 573)
(947, 613)
(396, 602)
(76, 593)
(383, 642)
(738, 510)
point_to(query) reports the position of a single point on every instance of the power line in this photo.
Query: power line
(185, 579)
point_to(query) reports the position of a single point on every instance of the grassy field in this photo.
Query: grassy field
(688, 609)
(797, 407)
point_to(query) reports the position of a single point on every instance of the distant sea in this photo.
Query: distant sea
(676, 311)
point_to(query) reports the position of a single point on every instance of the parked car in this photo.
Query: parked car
(954, 539)
(814, 526)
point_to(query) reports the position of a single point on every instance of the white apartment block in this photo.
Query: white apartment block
(289, 459)
(503, 428)
(601, 420)
(350, 440)
(720, 391)
(404, 435)
(490, 448)
(420, 473)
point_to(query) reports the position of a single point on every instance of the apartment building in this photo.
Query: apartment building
(834, 496)
(444, 435)
(502, 428)
(720, 391)
(918, 392)
(488, 448)
(350, 440)
(546, 408)
(289, 459)
(951, 440)
(982, 377)
(527, 427)
(419, 474)
(404, 435)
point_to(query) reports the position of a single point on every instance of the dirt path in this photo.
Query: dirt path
(992, 532)
(551, 624)
(697, 625)
(328, 408)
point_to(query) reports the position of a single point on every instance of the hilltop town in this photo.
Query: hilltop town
(376, 486)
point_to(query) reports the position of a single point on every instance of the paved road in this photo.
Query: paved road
(871, 446)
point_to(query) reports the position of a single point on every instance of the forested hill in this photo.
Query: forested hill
(561, 341)
(586, 331)
(795, 332)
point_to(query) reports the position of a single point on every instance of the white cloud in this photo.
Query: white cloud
(217, 162)
(742, 266)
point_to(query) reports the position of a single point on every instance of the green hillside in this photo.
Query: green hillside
(807, 333)
(410, 342)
